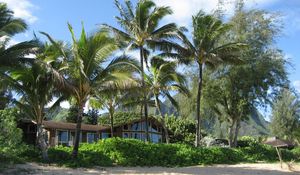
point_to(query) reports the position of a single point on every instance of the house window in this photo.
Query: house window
(63, 137)
(155, 138)
(154, 128)
(125, 127)
(136, 135)
(126, 135)
(105, 135)
(91, 137)
(135, 127)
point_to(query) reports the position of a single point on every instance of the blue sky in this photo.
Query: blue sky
(52, 16)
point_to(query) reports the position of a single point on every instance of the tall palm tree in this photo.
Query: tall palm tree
(205, 49)
(11, 56)
(90, 69)
(163, 79)
(35, 86)
(141, 29)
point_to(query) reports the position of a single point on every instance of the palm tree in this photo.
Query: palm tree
(117, 94)
(141, 29)
(205, 49)
(35, 86)
(11, 56)
(89, 69)
(163, 79)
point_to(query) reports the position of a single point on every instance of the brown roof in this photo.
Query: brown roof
(276, 142)
(65, 125)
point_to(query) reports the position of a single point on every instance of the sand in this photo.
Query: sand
(238, 169)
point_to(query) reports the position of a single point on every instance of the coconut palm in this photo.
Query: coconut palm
(205, 50)
(34, 85)
(116, 95)
(163, 79)
(141, 29)
(11, 56)
(90, 69)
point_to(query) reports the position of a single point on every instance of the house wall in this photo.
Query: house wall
(29, 133)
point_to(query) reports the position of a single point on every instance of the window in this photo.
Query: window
(62, 137)
(155, 138)
(135, 127)
(136, 135)
(154, 128)
(105, 135)
(126, 135)
(125, 127)
(91, 137)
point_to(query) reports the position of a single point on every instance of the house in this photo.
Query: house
(61, 133)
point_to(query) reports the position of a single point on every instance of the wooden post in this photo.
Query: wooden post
(279, 155)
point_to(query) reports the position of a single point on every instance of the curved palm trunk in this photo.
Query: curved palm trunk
(78, 130)
(41, 141)
(144, 94)
(198, 117)
(163, 120)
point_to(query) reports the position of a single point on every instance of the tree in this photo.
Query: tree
(163, 79)
(205, 50)
(92, 117)
(141, 29)
(72, 114)
(285, 115)
(88, 70)
(35, 86)
(235, 91)
(14, 55)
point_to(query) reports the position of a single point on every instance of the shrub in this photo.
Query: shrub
(182, 130)
(132, 152)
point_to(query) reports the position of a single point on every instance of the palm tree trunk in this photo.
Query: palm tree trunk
(144, 93)
(230, 133)
(41, 142)
(236, 132)
(111, 116)
(198, 117)
(163, 120)
(78, 130)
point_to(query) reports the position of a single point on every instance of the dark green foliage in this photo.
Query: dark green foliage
(132, 152)
(10, 135)
(88, 156)
(72, 114)
(296, 153)
(119, 118)
(182, 130)
(91, 117)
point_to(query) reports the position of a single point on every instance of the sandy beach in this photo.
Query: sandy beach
(238, 169)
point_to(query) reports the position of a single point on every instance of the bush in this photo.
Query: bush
(132, 152)
(10, 137)
(182, 130)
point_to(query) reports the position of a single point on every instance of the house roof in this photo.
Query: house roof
(84, 127)
(63, 125)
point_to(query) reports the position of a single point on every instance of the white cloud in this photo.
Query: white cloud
(22, 9)
(296, 84)
(184, 9)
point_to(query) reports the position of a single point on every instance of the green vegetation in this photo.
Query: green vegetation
(285, 116)
(132, 152)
